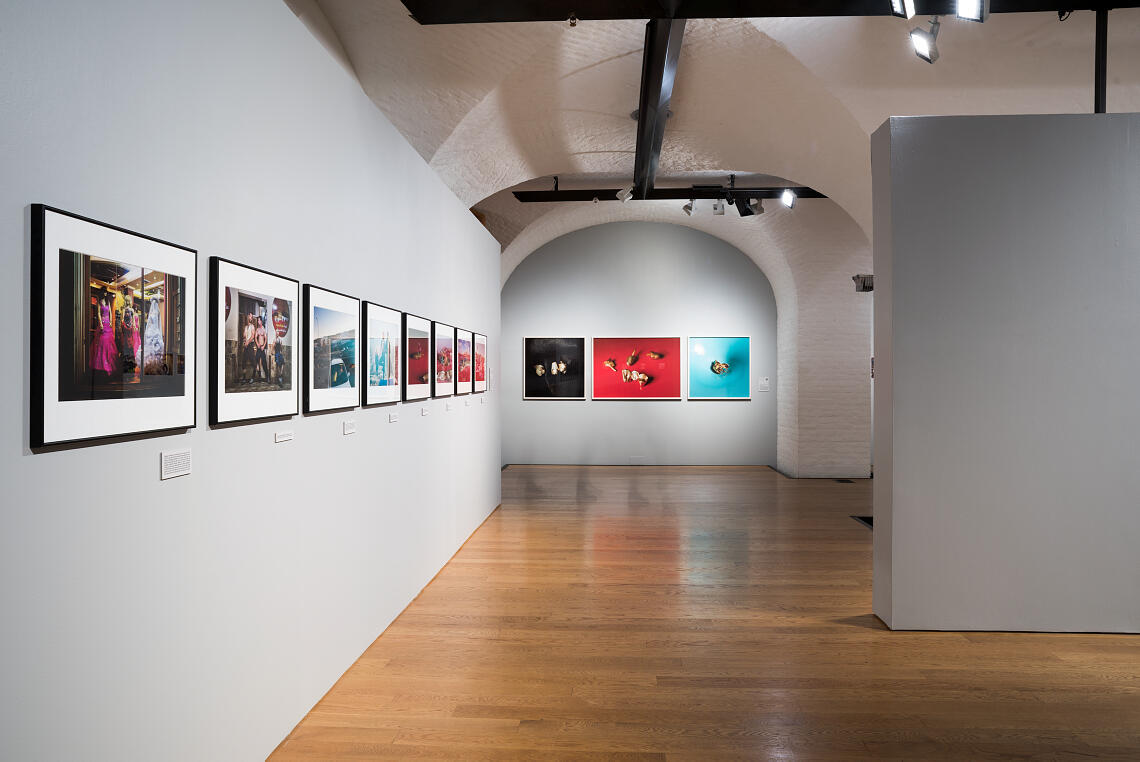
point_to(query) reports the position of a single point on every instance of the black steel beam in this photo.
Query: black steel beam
(1100, 81)
(665, 194)
(658, 69)
(490, 11)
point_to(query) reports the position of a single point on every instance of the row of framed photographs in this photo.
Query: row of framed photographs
(113, 327)
(356, 352)
(637, 367)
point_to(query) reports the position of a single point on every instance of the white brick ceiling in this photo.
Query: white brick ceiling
(494, 105)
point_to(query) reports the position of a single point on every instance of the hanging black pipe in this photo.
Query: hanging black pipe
(1100, 96)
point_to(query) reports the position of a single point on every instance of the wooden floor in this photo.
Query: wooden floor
(702, 613)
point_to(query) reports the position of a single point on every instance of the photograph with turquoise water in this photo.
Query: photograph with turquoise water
(719, 367)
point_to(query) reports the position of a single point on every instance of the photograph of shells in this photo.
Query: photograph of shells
(443, 359)
(417, 351)
(637, 368)
(718, 367)
(554, 368)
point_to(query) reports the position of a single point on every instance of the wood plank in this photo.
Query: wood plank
(702, 613)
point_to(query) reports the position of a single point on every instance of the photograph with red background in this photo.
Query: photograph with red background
(659, 358)
(419, 360)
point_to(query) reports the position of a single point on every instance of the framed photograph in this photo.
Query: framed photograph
(480, 370)
(637, 368)
(332, 352)
(443, 359)
(464, 364)
(113, 330)
(382, 327)
(719, 368)
(554, 368)
(417, 351)
(253, 343)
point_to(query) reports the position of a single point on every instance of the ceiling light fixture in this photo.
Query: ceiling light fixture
(688, 208)
(926, 42)
(974, 10)
(788, 198)
(748, 207)
(625, 194)
(904, 9)
(718, 207)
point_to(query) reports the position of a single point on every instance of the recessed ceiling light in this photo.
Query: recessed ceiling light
(788, 198)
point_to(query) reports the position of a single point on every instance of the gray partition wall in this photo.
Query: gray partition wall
(1007, 402)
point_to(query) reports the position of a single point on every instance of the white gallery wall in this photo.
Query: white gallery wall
(201, 617)
(1007, 266)
(638, 279)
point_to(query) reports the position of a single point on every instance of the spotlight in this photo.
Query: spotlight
(718, 207)
(924, 41)
(688, 208)
(625, 194)
(788, 198)
(974, 10)
(749, 206)
(904, 9)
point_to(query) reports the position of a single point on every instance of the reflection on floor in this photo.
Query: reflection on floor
(702, 613)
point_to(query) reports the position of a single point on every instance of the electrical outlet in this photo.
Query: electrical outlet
(283, 436)
(349, 427)
(393, 417)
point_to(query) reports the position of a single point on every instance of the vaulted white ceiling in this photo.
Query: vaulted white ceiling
(493, 106)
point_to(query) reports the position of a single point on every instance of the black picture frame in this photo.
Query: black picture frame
(310, 401)
(365, 355)
(414, 390)
(464, 387)
(439, 332)
(475, 365)
(216, 349)
(82, 424)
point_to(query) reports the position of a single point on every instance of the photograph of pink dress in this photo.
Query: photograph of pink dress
(103, 351)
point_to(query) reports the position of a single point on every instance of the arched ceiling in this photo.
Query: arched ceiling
(494, 106)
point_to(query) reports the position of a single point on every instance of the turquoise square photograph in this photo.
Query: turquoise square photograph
(718, 367)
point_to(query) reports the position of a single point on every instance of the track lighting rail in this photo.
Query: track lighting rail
(666, 194)
(490, 11)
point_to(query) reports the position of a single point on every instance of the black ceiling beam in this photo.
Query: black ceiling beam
(658, 70)
(665, 194)
(492, 11)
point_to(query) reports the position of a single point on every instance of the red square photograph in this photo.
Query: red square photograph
(637, 368)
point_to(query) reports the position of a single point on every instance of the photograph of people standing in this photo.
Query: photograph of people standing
(258, 342)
